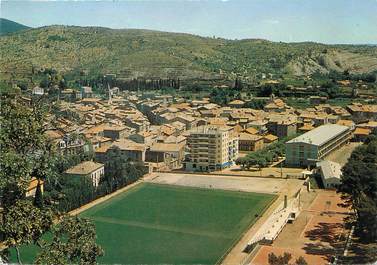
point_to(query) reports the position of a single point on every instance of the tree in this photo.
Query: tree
(358, 187)
(255, 104)
(284, 259)
(24, 153)
(279, 260)
(73, 242)
(241, 161)
(38, 198)
(23, 143)
(301, 261)
(24, 224)
(115, 168)
(238, 84)
(120, 170)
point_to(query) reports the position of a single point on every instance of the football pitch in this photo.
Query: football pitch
(153, 223)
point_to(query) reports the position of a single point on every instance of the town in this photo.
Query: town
(188, 132)
(296, 154)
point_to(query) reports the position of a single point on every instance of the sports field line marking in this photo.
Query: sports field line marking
(160, 227)
(309, 221)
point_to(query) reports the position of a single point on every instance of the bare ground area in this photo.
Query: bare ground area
(342, 154)
(318, 234)
(360, 252)
(274, 172)
(246, 184)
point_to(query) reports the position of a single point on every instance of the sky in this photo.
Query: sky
(325, 21)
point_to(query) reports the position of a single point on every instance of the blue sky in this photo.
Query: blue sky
(326, 21)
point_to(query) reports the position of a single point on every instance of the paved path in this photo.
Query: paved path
(317, 233)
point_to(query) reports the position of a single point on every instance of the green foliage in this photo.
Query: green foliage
(279, 260)
(91, 51)
(256, 104)
(24, 153)
(73, 242)
(70, 192)
(119, 171)
(268, 89)
(359, 184)
(331, 90)
(298, 103)
(222, 96)
(8, 26)
(38, 198)
(73, 192)
(24, 224)
(301, 261)
(6, 89)
(266, 156)
(346, 75)
(55, 38)
(284, 259)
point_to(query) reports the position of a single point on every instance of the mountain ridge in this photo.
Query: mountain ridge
(133, 53)
(8, 26)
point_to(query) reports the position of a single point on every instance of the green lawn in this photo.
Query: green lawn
(169, 224)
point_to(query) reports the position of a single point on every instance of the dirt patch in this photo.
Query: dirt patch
(342, 154)
(318, 234)
(252, 184)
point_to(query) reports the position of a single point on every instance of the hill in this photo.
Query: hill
(132, 53)
(9, 26)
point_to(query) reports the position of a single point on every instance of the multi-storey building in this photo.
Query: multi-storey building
(313, 146)
(282, 127)
(211, 148)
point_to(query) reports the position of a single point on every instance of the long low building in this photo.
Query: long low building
(313, 146)
(330, 173)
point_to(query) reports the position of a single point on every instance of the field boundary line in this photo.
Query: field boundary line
(104, 198)
(160, 227)
(238, 239)
(210, 188)
(215, 173)
(241, 193)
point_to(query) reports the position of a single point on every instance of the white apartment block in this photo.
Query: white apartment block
(211, 148)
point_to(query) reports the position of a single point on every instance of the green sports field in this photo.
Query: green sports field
(153, 223)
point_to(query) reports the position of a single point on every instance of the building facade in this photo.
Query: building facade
(211, 148)
(89, 169)
(250, 142)
(313, 146)
(330, 173)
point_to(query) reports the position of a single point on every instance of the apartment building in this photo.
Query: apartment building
(211, 148)
(313, 146)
